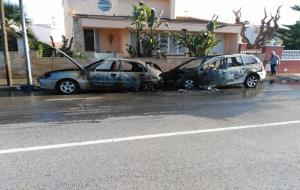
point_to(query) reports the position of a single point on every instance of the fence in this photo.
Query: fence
(290, 59)
(42, 65)
(252, 51)
(290, 55)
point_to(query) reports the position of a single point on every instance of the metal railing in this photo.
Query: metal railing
(251, 51)
(290, 55)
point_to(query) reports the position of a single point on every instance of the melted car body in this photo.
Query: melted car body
(111, 74)
(216, 71)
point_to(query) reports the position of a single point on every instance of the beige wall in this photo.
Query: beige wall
(119, 8)
(42, 65)
(231, 32)
(68, 19)
(173, 26)
(39, 65)
(120, 40)
(105, 45)
(231, 43)
(125, 6)
(78, 35)
(172, 9)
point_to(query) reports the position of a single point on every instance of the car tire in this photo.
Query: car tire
(188, 84)
(149, 87)
(251, 81)
(67, 87)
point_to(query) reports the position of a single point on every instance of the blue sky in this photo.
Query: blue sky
(46, 11)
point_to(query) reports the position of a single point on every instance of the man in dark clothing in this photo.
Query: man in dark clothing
(274, 61)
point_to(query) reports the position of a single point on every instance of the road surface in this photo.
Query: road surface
(235, 138)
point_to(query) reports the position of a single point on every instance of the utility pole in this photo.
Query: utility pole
(5, 46)
(25, 42)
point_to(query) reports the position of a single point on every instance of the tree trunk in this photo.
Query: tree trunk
(138, 44)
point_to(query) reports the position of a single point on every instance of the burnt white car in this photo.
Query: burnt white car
(216, 71)
(110, 74)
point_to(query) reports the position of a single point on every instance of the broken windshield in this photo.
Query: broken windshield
(192, 64)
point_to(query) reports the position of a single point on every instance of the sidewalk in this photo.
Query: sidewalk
(283, 78)
(17, 84)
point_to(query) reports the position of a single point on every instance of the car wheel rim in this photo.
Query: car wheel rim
(189, 84)
(252, 81)
(67, 87)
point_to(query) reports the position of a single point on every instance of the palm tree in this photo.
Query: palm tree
(290, 35)
(138, 21)
(198, 43)
(12, 12)
(296, 7)
(13, 21)
(145, 24)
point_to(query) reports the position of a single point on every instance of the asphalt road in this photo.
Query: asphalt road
(234, 138)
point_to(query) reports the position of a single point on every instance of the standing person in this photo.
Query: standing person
(274, 61)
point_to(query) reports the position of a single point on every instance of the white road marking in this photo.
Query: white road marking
(71, 99)
(142, 137)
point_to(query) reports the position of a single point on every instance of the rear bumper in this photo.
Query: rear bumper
(262, 75)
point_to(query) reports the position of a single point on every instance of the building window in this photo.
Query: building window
(133, 39)
(89, 40)
(167, 43)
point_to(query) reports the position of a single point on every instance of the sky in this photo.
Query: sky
(48, 11)
(252, 10)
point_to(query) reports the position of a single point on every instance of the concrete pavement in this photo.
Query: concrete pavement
(262, 157)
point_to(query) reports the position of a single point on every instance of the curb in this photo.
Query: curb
(23, 88)
(9, 88)
(282, 79)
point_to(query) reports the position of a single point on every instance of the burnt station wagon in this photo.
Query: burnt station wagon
(216, 71)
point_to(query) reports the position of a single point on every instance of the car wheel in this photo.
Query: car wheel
(149, 87)
(188, 84)
(251, 81)
(67, 87)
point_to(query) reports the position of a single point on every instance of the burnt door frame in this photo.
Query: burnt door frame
(132, 79)
(235, 71)
(105, 78)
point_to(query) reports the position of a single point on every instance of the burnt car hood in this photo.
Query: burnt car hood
(62, 70)
(72, 60)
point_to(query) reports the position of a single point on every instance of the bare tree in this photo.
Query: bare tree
(238, 15)
(267, 30)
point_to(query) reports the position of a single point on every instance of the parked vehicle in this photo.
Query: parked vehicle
(216, 71)
(180, 76)
(110, 74)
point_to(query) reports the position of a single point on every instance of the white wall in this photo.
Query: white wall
(44, 31)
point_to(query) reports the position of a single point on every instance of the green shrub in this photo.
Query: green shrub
(80, 55)
(43, 49)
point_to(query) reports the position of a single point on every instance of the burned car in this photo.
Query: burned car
(184, 75)
(216, 71)
(109, 74)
